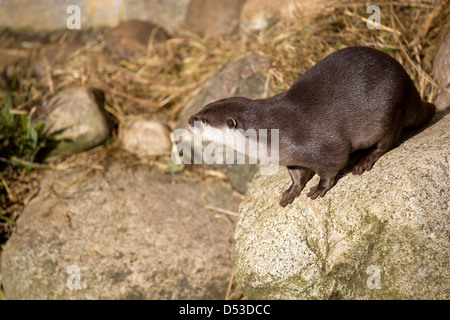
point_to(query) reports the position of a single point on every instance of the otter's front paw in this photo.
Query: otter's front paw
(289, 195)
(316, 191)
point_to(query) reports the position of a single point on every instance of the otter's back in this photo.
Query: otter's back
(358, 91)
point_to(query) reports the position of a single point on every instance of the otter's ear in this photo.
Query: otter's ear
(232, 123)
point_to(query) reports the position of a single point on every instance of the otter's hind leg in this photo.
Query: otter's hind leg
(327, 171)
(372, 155)
(325, 183)
(300, 176)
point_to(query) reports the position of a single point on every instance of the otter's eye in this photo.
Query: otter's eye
(232, 123)
(203, 120)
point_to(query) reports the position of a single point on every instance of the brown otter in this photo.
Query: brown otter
(355, 98)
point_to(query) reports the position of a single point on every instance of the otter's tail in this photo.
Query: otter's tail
(430, 110)
(421, 115)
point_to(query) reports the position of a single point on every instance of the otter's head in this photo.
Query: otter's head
(221, 119)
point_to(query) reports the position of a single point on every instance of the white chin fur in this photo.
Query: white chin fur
(225, 136)
(209, 133)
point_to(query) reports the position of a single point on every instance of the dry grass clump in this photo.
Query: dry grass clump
(166, 78)
(161, 83)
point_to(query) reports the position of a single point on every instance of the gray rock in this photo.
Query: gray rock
(391, 224)
(244, 77)
(133, 233)
(144, 137)
(52, 14)
(40, 15)
(170, 14)
(202, 17)
(441, 71)
(77, 116)
(130, 39)
(257, 15)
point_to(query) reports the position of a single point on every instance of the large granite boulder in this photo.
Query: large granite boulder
(121, 233)
(382, 235)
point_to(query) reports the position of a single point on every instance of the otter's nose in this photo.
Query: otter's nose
(193, 119)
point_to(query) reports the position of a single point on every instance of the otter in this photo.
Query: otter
(357, 98)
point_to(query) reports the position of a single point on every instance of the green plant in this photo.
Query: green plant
(175, 167)
(18, 138)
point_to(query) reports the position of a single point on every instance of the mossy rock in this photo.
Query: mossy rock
(382, 235)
